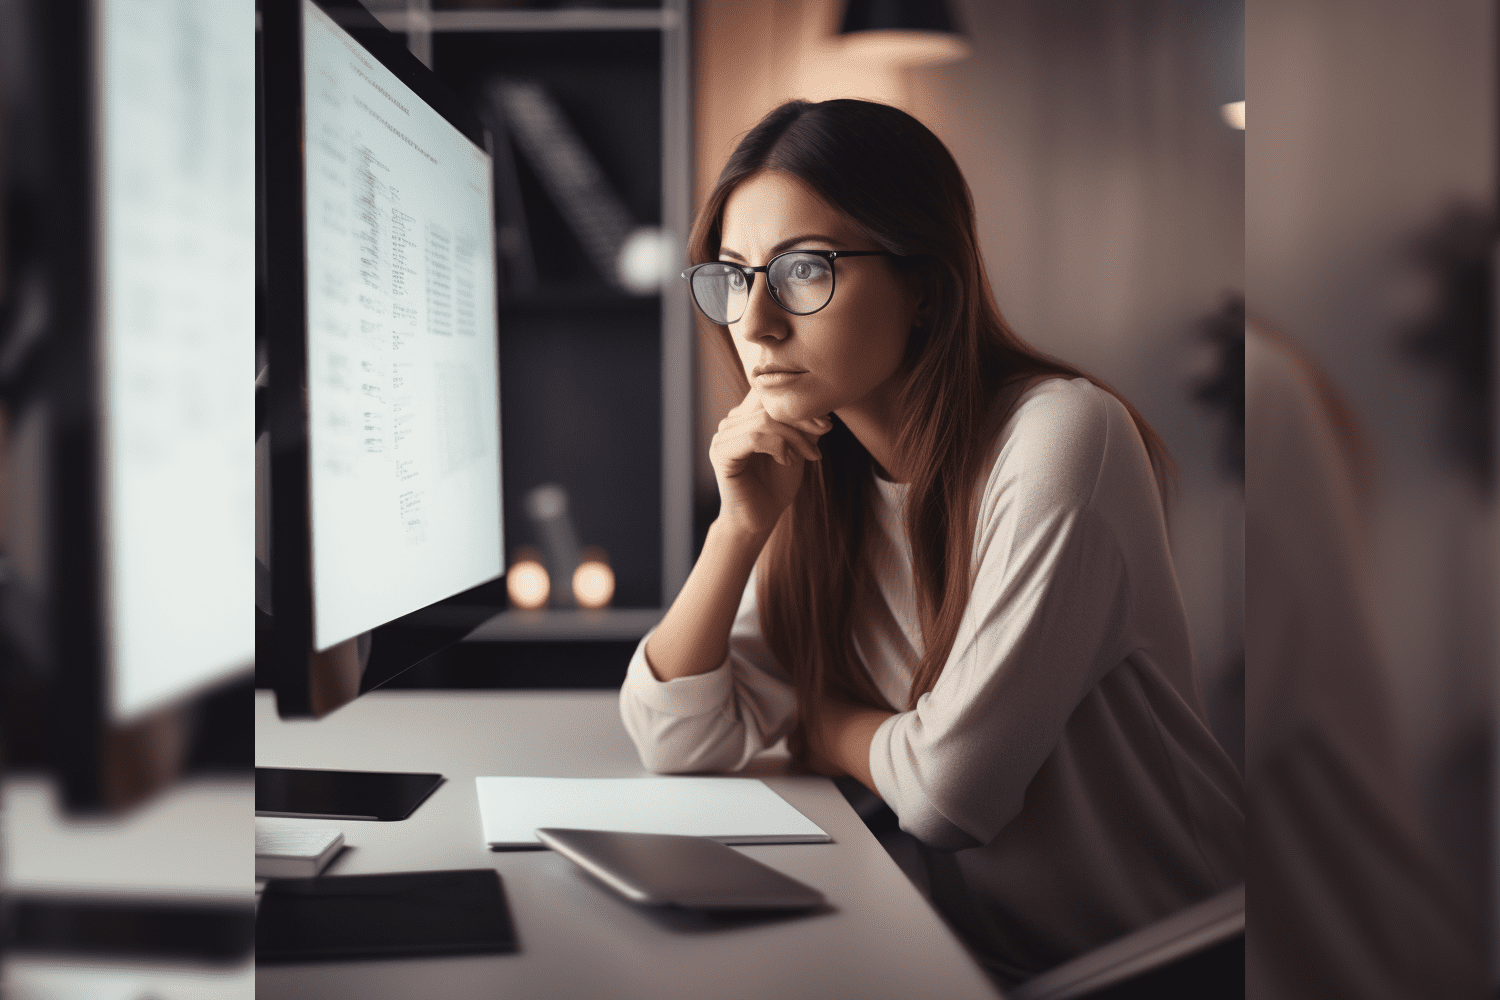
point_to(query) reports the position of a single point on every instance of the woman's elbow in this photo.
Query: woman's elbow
(952, 818)
(662, 754)
(654, 760)
(657, 755)
(659, 766)
(935, 832)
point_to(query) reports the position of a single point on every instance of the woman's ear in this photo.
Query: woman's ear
(919, 285)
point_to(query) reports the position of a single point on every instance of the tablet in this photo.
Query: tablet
(369, 795)
(660, 869)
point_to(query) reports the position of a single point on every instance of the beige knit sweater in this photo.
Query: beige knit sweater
(1060, 776)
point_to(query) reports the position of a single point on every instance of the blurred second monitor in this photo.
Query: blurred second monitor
(126, 342)
(382, 444)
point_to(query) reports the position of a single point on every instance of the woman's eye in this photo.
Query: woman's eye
(806, 270)
(736, 280)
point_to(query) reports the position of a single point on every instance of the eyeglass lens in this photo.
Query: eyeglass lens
(801, 283)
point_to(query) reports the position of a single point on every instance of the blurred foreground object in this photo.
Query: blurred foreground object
(1222, 394)
(126, 338)
(126, 331)
(1348, 897)
(1453, 334)
(159, 904)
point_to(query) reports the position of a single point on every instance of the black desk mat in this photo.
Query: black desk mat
(344, 917)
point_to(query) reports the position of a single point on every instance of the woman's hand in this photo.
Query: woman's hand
(758, 463)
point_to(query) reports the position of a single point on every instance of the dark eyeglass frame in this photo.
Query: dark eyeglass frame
(750, 273)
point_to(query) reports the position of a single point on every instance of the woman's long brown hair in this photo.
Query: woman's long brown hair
(898, 183)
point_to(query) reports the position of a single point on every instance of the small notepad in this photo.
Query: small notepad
(729, 810)
(288, 849)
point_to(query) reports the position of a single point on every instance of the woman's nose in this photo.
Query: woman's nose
(762, 318)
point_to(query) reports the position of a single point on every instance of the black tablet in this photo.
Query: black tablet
(311, 794)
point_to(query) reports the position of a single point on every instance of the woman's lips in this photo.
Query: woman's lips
(777, 377)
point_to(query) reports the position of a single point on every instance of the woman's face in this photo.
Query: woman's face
(845, 357)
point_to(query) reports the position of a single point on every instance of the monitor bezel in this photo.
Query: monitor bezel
(285, 638)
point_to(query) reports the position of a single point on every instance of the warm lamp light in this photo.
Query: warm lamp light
(593, 581)
(526, 582)
(908, 48)
(902, 32)
(1234, 114)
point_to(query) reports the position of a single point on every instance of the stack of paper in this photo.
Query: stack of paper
(729, 810)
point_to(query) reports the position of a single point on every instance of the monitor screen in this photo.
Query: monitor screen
(176, 147)
(126, 347)
(402, 366)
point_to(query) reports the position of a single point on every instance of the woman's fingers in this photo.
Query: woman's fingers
(748, 430)
(816, 426)
(754, 492)
(735, 445)
(791, 440)
(809, 429)
(773, 437)
(752, 404)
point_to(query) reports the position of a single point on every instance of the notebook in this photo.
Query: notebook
(289, 849)
(729, 810)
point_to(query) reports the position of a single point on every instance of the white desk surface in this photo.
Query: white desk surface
(577, 940)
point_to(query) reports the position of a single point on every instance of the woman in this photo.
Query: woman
(940, 564)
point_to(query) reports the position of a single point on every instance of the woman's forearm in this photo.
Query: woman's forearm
(693, 637)
(848, 732)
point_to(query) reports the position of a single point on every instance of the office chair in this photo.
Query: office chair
(1199, 951)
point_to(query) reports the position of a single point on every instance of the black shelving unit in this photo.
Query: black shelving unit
(596, 384)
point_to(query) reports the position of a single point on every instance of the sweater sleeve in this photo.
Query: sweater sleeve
(1043, 624)
(715, 721)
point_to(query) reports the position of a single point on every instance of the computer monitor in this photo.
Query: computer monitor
(125, 354)
(383, 416)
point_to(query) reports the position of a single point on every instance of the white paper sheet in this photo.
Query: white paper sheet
(729, 810)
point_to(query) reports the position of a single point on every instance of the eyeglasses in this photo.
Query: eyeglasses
(800, 281)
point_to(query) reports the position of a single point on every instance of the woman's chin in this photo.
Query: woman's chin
(788, 408)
